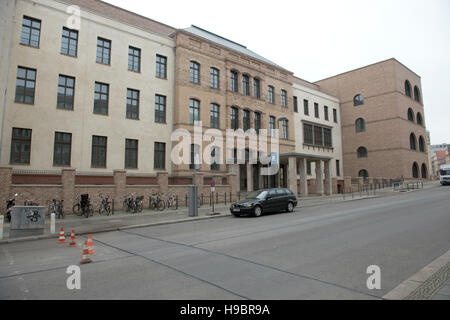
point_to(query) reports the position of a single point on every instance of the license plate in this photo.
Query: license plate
(236, 210)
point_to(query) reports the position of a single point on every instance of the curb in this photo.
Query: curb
(425, 283)
(101, 230)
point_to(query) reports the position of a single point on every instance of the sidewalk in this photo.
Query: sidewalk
(123, 220)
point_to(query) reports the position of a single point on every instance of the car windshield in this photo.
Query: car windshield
(445, 172)
(256, 195)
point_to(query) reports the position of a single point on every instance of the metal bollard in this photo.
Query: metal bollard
(112, 209)
(1, 227)
(225, 197)
(52, 223)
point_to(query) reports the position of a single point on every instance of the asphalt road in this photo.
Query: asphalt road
(320, 252)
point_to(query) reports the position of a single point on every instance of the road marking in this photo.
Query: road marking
(425, 283)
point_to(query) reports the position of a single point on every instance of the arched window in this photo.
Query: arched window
(415, 170)
(421, 144)
(363, 173)
(360, 125)
(358, 100)
(362, 152)
(424, 171)
(419, 119)
(410, 115)
(194, 72)
(412, 142)
(416, 94)
(408, 88)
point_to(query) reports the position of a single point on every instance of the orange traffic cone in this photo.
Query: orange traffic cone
(62, 238)
(72, 239)
(85, 258)
(91, 250)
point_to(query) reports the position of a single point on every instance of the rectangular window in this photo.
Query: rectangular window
(308, 134)
(69, 42)
(132, 104)
(306, 107)
(316, 110)
(214, 78)
(257, 122)
(246, 120)
(335, 116)
(338, 168)
(103, 51)
(234, 118)
(317, 135)
(25, 85)
(66, 91)
(194, 111)
(160, 109)
(214, 116)
(295, 104)
(131, 154)
(325, 111)
(257, 88)
(195, 157)
(285, 130)
(271, 126)
(62, 149)
(246, 85)
(101, 98)
(234, 81)
(271, 94)
(31, 31)
(284, 98)
(98, 155)
(194, 72)
(20, 146)
(161, 66)
(160, 155)
(327, 142)
(134, 59)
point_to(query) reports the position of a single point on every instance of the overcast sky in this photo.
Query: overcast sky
(320, 38)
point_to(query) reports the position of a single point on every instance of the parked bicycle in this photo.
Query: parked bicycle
(56, 206)
(105, 205)
(133, 205)
(172, 202)
(157, 203)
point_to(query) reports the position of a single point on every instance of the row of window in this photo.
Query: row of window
(360, 123)
(415, 171)
(214, 82)
(21, 150)
(317, 135)
(362, 151)
(26, 84)
(359, 99)
(408, 91)
(316, 110)
(30, 35)
(194, 115)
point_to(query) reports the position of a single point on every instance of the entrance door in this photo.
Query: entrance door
(243, 177)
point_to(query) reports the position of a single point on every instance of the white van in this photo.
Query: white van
(444, 174)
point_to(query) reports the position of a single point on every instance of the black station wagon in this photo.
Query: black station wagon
(262, 201)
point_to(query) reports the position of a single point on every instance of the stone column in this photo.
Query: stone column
(162, 179)
(249, 177)
(5, 187)
(328, 185)
(319, 177)
(234, 169)
(68, 189)
(303, 178)
(120, 182)
(261, 179)
(292, 175)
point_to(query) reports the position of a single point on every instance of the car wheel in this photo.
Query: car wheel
(257, 211)
(290, 207)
